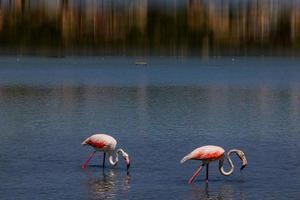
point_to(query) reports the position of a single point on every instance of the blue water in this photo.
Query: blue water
(158, 113)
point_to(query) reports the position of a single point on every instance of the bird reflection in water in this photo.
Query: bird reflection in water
(109, 185)
(226, 191)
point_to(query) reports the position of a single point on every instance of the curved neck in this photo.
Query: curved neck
(221, 164)
(114, 162)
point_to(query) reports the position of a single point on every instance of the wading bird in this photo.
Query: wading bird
(106, 144)
(211, 153)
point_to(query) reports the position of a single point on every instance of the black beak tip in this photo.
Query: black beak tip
(128, 166)
(243, 166)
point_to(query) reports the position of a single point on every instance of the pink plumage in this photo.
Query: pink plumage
(101, 142)
(211, 153)
(106, 144)
(208, 152)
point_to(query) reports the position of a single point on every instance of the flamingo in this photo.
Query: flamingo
(106, 144)
(211, 153)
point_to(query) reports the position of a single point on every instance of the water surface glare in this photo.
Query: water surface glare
(158, 113)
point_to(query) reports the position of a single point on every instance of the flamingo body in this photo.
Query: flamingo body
(101, 142)
(207, 153)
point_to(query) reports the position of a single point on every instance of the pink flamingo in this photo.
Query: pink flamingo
(106, 144)
(211, 153)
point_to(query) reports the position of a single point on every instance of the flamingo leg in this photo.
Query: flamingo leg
(83, 166)
(206, 179)
(195, 174)
(103, 163)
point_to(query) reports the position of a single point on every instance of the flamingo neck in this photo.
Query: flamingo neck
(221, 164)
(111, 160)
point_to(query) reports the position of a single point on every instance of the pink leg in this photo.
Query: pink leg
(195, 174)
(83, 166)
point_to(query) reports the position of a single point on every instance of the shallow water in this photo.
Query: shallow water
(158, 113)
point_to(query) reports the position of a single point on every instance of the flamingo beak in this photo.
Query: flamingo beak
(127, 161)
(242, 156)
(243, 166)
(244, 163)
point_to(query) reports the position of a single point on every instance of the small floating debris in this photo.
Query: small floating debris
(140, 63)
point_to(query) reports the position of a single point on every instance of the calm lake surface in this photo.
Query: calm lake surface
(158, 113)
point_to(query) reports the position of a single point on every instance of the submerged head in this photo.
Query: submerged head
(127, 161)
(126, 157)
(242, 156)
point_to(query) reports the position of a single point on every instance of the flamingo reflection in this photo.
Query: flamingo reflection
(226, 191)
(108, 185)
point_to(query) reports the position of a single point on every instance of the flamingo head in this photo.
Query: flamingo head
(242, 156)
(125, 156)
(127, 161)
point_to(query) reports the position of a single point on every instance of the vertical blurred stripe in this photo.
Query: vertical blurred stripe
(171, 27)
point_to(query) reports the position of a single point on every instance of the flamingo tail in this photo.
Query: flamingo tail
(185, 158)
(85, 142)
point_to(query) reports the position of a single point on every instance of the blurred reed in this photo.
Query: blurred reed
(142, 27)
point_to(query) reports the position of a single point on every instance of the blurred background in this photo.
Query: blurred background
(150, 27)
